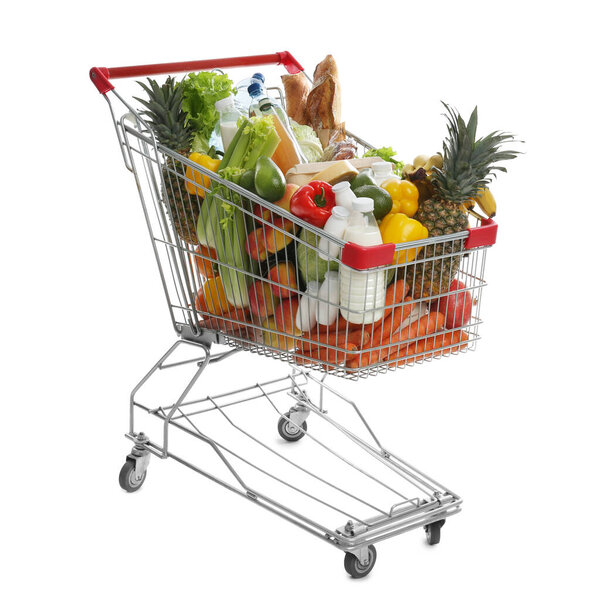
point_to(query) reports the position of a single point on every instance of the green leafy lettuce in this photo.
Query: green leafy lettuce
(386, 153)
(201, 92)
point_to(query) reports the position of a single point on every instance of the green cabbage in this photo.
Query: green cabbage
(309, 141)
(310, 264)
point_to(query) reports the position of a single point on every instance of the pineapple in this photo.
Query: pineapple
(468, 164)
(165, 114)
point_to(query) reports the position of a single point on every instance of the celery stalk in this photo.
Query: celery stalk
(223, 224)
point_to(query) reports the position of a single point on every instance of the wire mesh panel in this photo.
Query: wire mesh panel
(278, 286)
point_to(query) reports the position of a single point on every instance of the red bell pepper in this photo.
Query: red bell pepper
(313, 203)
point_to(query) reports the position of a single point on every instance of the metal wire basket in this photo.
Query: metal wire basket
(370, 341)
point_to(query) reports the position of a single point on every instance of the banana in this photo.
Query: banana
(420, 160)
(486, 202)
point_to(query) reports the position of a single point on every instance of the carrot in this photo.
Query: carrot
(438, 343)
(311, 342)
(425, 325)
(396, 293)
(382, 334)
(330, 355)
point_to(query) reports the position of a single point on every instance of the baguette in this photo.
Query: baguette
(297, 88)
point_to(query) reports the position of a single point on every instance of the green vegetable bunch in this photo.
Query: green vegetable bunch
(386, 153)
(200, 93)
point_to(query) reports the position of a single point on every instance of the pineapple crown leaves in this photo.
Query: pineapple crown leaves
(165, 113)
(469, 163)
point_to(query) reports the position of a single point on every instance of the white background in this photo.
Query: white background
(509, 427)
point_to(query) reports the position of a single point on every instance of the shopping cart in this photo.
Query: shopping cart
(348, 473)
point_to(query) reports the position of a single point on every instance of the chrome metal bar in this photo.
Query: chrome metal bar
(343, 459)
(303, 469)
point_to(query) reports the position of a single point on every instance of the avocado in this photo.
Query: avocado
(270, 182)
(381, 198)
(365, 177)
(247, 180)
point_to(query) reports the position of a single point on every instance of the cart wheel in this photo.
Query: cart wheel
(127, 479)
(433, 532)
(288, 431)
(355, 568)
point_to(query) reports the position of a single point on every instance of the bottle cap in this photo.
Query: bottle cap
(255, 88)
(363, 204)
(339, 187)
(259, 76)
(341, 212)
(224, 103)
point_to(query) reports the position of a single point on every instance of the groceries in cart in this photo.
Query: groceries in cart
(302, 241)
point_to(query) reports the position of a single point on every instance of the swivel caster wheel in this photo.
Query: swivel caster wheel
(288, 431)
(128, 479)
(355, 568)
(433, 532)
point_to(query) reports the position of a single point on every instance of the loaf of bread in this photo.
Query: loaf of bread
(323, 105)
(327, 66)
(297, 88)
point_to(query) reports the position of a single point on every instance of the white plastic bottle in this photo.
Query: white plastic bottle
(344, 196)
(327, 304)
(228, 120)
(362, 293)
(306, 315)
(336, 225)
(382, 172)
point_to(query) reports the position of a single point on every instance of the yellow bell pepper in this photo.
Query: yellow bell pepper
(203, 182)
(397, 228)
(404, 195)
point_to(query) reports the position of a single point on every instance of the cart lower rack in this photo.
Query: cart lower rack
(395, 497)
(373, 495)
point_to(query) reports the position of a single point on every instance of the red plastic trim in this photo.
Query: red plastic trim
(367, 257)
(101, 75)
(290, 63)
(485, 235)
(100, 78)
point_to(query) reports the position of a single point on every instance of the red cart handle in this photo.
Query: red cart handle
(101, 76)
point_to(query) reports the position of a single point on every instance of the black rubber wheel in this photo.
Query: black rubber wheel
(355, 568)
(288, 431)
(127, 480)
(433, 532)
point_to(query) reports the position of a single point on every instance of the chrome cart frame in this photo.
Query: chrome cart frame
(356, 535)
(410, 499)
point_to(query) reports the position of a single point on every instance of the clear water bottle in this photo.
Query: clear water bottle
(242, 99)
(362, 293)
(288, 153)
